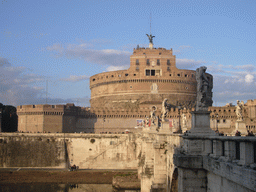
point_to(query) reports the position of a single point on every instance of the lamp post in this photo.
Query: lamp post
(217, 122)
(179, 130)
(103, 123)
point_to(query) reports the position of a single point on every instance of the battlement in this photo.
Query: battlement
(39, 107)
(48, 109)
(251, 102)
(143, 50)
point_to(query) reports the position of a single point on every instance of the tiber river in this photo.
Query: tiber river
(60, 188)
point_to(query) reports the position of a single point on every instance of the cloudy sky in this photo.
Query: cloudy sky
(58, 45)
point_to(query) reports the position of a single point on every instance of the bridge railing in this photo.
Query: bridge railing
(236, 149)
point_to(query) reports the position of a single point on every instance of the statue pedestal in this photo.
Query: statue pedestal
(153, 128)
(184, 129)
(201, 123)
(151, 45)
(240, 126)
(146, 128)
(165, 127)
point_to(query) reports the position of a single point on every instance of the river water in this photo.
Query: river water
(42, 187)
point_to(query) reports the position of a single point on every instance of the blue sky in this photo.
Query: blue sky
(64, 42)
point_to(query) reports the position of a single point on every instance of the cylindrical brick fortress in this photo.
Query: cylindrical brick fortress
(151, 78)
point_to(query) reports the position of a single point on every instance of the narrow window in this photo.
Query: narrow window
(168, 68)
(158, 62)
(153, 72)
(147, 72)
(137, 62)
(168, 62)
(148, 63)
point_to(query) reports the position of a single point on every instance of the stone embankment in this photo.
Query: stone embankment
(128, 181)
(62, 176)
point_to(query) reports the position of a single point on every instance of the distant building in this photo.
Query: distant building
(224, 118)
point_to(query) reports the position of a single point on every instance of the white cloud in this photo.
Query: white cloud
(18, 86)
(116, 68)
(248, 68)
(103, 57)
(56, 47)
(181, 49)
(229, 88)
(75, 78)
(4, 62)
(188, 63)
(249, 78)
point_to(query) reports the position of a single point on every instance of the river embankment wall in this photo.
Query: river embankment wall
(61, 150)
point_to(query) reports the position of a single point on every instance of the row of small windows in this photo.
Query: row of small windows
(144, 80)
(40, 113)
(223, 117)
(124, 116)
(126, 74)
(157, 62)
(223, 110)
(224, 120)
(131, 116)
(149, 72)
(250, 126)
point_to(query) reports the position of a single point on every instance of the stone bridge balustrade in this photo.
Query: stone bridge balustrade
(217, 163)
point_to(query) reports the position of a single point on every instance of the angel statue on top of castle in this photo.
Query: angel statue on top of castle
(150, 38)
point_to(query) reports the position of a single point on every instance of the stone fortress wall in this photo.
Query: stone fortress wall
(60, 118)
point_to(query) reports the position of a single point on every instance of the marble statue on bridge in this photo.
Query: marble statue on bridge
(204, 90)
(239, 110)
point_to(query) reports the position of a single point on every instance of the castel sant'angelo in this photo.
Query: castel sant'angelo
(152, 77)
(122, 100)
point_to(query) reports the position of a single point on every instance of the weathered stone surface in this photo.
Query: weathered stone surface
(126, 181)
(188, 161)
(238, 177)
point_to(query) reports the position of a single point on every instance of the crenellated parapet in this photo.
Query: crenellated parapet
(142, 112)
